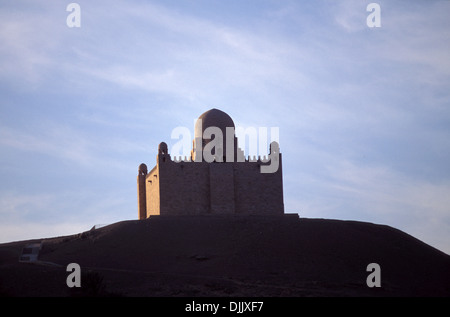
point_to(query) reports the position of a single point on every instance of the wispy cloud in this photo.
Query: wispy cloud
(14, 206)
(197, 55)
(71, 145)
(44, 214)
(55, 141)
(29, 44)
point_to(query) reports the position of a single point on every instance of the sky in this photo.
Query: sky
(363, 112)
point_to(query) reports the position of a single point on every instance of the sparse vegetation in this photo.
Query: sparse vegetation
(92, 285)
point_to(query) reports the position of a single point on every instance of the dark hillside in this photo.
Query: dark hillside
(233, 256)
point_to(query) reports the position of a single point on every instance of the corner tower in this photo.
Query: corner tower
(142, 200)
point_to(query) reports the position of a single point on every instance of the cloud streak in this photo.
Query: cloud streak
(71, 145)
(44, 214)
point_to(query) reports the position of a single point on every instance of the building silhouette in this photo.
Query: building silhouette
(215, 179)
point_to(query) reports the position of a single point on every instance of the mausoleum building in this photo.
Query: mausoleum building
(215, 179)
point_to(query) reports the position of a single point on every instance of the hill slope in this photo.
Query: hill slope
(232, 256)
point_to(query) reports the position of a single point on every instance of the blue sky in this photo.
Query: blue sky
(363, 113)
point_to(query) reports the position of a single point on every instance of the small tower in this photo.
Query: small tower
(163, 153)
(142, 199)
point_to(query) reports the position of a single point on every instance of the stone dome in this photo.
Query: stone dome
(213, 118)
(219, 119)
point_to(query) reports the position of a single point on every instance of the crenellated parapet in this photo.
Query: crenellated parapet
(164, 156)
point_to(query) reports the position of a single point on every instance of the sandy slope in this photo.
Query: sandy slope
(231, 256)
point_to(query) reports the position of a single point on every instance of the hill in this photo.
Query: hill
(230, 256)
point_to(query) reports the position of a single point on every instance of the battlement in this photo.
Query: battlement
(268, 162)
(251, 159)
(186, 159)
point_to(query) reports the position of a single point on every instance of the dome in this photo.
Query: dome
(221, 120)
(213, 118)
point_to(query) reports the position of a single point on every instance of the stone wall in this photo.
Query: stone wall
(221, 187)
(184, 187)
(256, 192)
(193, 188)
(153, 192)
